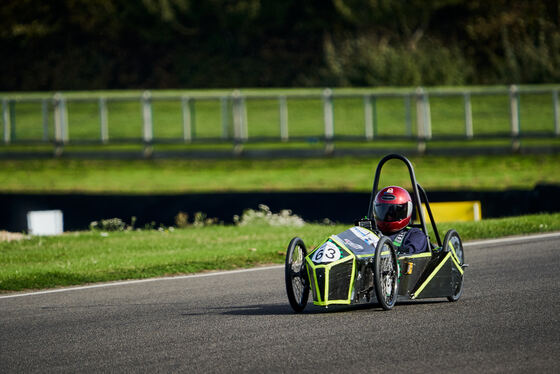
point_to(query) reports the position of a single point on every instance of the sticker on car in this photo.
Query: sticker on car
(328, 252)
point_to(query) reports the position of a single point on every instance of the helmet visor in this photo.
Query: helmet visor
(390, 212)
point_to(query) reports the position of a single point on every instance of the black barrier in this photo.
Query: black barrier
(81, 209)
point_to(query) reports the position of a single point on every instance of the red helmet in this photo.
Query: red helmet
(392, 209)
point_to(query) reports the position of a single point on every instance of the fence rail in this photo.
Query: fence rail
(412, 121)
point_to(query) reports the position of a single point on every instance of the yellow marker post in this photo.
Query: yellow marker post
(454, 211)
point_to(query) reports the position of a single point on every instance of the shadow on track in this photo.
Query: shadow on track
(285, 309)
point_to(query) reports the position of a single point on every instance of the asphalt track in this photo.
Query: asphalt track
(506, 321)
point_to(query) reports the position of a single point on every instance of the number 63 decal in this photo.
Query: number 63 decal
(328, 252)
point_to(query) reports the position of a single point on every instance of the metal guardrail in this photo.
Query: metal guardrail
(233, 110)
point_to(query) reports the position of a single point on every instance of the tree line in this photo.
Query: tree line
(119, 44)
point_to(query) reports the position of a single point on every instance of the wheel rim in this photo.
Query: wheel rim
(388, 278)
(453, 244)
(458, 248)
(297, 273)
(386, 274)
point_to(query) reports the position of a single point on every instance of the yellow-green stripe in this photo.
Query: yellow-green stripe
(431, 276)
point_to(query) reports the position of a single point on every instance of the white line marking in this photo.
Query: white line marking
(512, 239)
(123, 283)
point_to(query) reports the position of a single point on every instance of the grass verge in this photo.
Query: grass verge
(86, 257)
(242, 175)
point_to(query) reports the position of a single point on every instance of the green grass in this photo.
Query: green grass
(305, 116)
(85, 257)
(328, 174)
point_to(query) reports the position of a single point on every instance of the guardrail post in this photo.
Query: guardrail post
(427, 116)
(187, 119)
(237, 116)
(368, 117)
(237, 122)
(148, 133)
(244, 123)
(468, 116)
(45, 113)
(6, 121)
(421, 120)
(224, 109)
(374, 108)
(64, 119)
(103, 121)
(328, 117)
(12, 119)
(283, 105)
(514, 117)
(58, 125)
(556, 109)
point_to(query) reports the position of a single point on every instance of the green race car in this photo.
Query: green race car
(361, 265)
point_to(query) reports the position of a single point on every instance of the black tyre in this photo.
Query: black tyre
(297, 284)
(452, 243)
(386, 273)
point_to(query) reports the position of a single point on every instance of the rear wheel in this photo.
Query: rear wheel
(297, 285)
(452, 243)
(386, 273)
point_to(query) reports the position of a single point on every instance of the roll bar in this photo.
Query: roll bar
(419, 195)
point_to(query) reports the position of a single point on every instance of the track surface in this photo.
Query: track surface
(506, 321)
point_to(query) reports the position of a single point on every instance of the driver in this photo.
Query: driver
(392, 210)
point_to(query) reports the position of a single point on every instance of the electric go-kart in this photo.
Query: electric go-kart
(360, 265)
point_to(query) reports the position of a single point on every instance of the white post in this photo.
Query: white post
(244, 122)
(148, 133)
(328, 113)
(58, 132)
(237, 123)
(419, 113)
(187, 125)
(514, 117)
(103, 122)
(420, 120)
(6, 121)
(284, 134)
(368, 117)
(468, 116)
(328, 116)
(64, 119)
(148, 130)
(428, 116)
(237, 116)
(476, 211)
(57, 118)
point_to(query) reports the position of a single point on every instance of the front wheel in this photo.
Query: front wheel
(386, 273)
(297, 285)
(452, 243)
